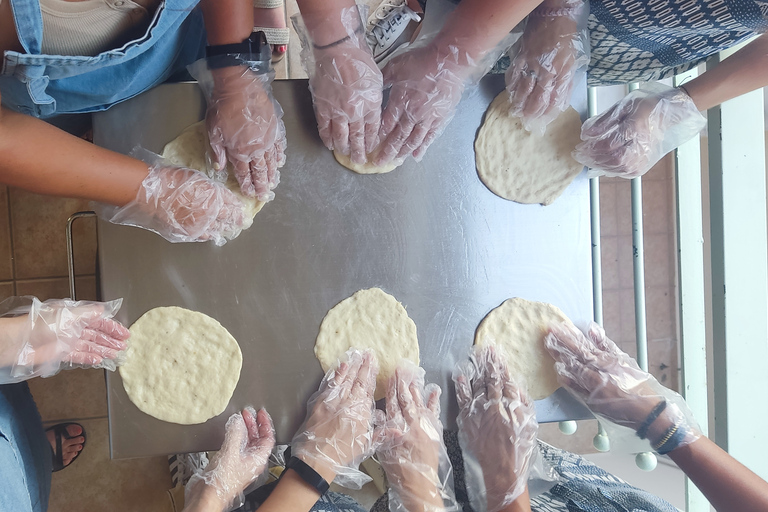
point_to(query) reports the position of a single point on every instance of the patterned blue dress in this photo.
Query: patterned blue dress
(644, 40)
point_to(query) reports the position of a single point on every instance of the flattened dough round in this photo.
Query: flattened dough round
(521, 166)
(368, 319)
(181, 366)
(188, 150)
(366, 168)
(519, 327)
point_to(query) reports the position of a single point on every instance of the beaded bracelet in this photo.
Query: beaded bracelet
(674, 441)
(642, 432)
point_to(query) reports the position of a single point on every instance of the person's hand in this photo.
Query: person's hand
(248, 441)
(426, 86)
(630, 137)
(553, 51)
(497, 430)
(337, 434)
(42, 338)
(182, 205)
(612, 385)
(410, 444)
(346, 88)
(245, 125)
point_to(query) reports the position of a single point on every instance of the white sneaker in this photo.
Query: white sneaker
(390, 26)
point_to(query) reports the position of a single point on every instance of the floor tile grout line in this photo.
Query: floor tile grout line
(10, 235)
(66, 420)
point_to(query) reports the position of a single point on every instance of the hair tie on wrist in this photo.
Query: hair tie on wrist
(642, 432)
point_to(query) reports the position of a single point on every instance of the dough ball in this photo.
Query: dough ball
(368, 319)
(522, 166)
(189, 149)
(368, 167)
(519, 327)
(181, 366)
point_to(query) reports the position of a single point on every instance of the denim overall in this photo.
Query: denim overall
(48, 85)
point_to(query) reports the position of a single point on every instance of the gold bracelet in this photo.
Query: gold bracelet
(668, 435)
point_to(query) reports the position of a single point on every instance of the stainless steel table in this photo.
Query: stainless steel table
(429, 233)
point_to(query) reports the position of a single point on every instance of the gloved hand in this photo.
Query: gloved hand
(410, 444)
(244, 124)
(42, 338)
(181, 205)
(497, 430)
(346, 87)
(337, 434)
(427, 84)
(553, 54)
(630, 137)
(248, 441)
(612, 386)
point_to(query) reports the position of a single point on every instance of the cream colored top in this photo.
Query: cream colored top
(89, 27)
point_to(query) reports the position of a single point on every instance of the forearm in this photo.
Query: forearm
(292, 494)
(324, 21)
(480, 25)
(727, 484)
(11, 333)
(521, 504)
(742, 72)
(205, 501)
(41, 158)
(227, 21)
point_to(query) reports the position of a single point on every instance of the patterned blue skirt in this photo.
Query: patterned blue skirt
(645, 40)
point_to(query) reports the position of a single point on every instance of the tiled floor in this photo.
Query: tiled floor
(33, 262)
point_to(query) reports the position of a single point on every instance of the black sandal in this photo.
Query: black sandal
(60, 431)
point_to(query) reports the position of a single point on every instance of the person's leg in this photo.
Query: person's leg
(25, 454)
(269, 16)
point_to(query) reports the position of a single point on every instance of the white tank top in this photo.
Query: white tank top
(89, 27)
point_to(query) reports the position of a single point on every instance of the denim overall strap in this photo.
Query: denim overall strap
(29, 24)
(46, 85)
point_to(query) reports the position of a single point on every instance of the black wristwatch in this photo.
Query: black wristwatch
(253, 51)
(309, 475)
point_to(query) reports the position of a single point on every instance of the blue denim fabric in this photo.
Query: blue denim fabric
(25, 454)
(47, 85)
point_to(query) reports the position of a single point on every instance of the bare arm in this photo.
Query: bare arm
(40, 158)
(727, 484)
(521, 504)
(484, 23)
(742, 72)
(321, 17)
(227, 21)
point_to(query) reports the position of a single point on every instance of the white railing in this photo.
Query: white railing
(736, 206)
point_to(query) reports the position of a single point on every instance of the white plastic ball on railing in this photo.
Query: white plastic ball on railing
(601, 442)
(568, 427)
(646, 461)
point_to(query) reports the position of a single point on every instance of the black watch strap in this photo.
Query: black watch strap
(308, 474)
(254, 49)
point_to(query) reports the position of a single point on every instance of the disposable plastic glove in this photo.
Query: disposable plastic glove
(337, 434)
(631, 136)
(552, 55)
(427, 84)
(181, 205)
(346, 87)
(614, 388)
(42, 338)
(410, 444)
(245, 125)
(242, 459)
(497, 430)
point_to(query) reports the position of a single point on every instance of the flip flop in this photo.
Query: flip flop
(60, 431)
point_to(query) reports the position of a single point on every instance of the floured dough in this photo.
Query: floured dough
(522, 166)
(188, 150)
(368, 319)
(181, 366)
(519, 326)
(368, 167)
